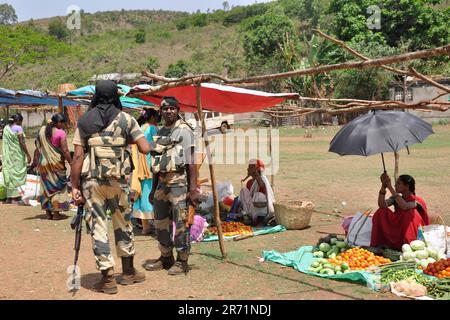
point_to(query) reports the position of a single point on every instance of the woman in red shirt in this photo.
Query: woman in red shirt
(395, 228)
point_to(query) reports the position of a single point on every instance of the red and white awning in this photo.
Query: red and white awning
(219, 98)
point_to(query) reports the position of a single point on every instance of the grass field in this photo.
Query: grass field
(35, 252)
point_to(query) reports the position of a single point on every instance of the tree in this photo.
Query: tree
(7, 14)
(263, 40)
(152, 64)
(22, 45)
(226, 6)
(58, 29)
(178, 70)
(416, 21)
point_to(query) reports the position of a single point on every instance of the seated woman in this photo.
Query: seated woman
(394, 228)
(257, 197)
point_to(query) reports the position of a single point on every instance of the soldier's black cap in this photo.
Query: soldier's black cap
(170, 101)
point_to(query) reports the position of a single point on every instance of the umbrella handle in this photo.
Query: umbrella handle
(384, 165)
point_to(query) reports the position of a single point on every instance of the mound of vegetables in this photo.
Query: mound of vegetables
(417, 251)
(231, 229)
(323, 266)
(329, 247)
(439, 269)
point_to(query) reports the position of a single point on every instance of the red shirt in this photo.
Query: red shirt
(250, 184)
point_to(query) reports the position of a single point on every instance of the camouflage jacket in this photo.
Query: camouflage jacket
(107, 152)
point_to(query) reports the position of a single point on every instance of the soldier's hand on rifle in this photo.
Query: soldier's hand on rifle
(77, 196)
(194, 197)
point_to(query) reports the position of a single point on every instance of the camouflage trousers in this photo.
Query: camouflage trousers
(113, 195)
(170, 216)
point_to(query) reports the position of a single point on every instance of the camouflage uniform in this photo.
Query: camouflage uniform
(170, 203)
(104, 187)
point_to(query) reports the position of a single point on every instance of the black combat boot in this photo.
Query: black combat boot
(129, 274)
(159, 264)
(180, 267)
(108, 283)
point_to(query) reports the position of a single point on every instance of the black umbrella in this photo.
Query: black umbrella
(379, 132)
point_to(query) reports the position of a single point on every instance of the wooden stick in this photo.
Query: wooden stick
(428, 53)
(426, 79)
(355, 53)
(213, 177)
(397, 158)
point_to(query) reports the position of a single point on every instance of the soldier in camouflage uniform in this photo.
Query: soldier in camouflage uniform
(102, 160)
(174, 189)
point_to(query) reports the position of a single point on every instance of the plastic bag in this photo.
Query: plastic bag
(360, 230)
(198, 228)
(225, 189)
(435, 236)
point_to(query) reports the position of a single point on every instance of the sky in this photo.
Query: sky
(36, 9)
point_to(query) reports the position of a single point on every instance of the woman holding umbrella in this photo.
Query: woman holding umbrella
(395, 228)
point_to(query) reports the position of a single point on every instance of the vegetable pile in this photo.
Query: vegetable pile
(399, 271)
(329, 247)
(439, 289)
(231, 229)
(417, 251)
(439, 269)
(359, 259)
(323, 266)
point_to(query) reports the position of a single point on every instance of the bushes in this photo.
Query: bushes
(140, 36)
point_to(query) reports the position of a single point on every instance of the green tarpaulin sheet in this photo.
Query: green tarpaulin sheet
(301, 260)
(256, 232)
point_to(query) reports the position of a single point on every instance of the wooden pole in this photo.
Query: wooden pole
(60, 105)
(211, 171)
(397, 157)
(272, 177)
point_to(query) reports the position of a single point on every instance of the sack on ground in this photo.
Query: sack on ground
(31, 190)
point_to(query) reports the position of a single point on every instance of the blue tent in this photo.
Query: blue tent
(29, 97)
(127, 102)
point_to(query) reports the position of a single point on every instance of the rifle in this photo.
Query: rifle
(77, 225)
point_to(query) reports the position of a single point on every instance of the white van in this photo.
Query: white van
(213, 120)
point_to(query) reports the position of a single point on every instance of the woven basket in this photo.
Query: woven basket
(294, 215)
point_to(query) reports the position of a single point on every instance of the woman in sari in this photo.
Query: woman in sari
(15, 159)
(50, 157)
(390, 228)
(141, 180)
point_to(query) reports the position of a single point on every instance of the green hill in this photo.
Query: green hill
(260, 38)
(107, 44)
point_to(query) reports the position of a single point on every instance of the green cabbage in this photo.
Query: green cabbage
(417, 245)
(421, 254)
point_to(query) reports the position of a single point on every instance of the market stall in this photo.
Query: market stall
(420, 271)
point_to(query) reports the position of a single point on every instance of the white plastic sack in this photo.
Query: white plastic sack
(225, 189)
(360, 230)
(434, 236)
(31, 190)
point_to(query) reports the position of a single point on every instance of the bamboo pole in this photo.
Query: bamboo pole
(272, 177)
(60, 105)
(397, 158)
(212, 173)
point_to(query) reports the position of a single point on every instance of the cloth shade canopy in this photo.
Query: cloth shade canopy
(30, 97)
(219, 98)
(127, 102)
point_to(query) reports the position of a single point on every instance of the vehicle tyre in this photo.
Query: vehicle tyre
(224, 128)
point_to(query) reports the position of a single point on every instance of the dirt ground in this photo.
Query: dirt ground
(35, 253)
